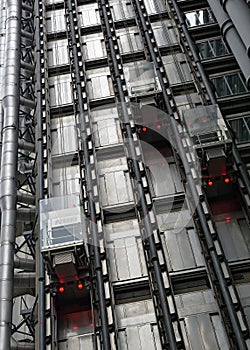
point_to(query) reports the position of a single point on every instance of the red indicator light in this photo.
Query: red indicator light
(80, 285)
(144, 129)
(228, 219)
(61, 289)
(91, 324)
(227, 180)
(210, 183)
(158, 126)
(75, 328)
(204, 120)
(190, 123)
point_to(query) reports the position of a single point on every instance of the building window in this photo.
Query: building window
(227, 85)
(199, 17)
(241, 128)
(212, 48)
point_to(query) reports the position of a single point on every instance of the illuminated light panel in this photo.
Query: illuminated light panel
(61, 289)
(80, 285)
(210, 183)
(227, 180)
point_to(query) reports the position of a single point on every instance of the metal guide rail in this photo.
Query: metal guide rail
(160, 283)
(225, 290)
(100, 284)
(44, 160)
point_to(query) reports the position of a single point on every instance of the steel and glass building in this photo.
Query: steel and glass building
(124, 194)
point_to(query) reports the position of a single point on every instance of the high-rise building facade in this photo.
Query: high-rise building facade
(125, 133)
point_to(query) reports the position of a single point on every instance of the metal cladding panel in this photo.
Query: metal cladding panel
(94, 46)
(202, 325)
(57, 53)
(60, 90)
(107, 132)
(99, 84)
(182, 247)
(88, 15)
(129, 40)
(143, 337)
(164, 33)
(244, 293)
(234, 235)
(64, 137)
(66, 180)
(125, 250)
(121, 9)
(155, 6)
(205, 332)
(115, 184)
(55, 21)
(79, 343)
(177, 68)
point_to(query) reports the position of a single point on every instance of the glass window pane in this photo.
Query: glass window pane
(241, 128)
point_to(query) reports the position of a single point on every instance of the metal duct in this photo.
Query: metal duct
(26, 146)
(24, 280)
(21, 345)
(25, 214)
(11, 88)
(24, 264)
(239, 13)
(232, 38)
(26, 198)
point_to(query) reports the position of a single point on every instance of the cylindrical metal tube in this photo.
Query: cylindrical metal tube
(11, 98)
(239, 13)
(232, 38)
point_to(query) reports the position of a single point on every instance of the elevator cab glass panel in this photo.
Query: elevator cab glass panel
(61, 222)
(141, 78)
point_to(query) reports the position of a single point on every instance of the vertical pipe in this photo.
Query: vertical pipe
(10, 102)
(40, 184)
(239, 12)
(232, 38)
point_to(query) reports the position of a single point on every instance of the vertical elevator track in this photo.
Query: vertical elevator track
(221, 278)
(101, 288)
(160, 283)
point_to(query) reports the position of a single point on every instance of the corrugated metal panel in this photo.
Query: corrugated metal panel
(55, 21)
(60, 90)
(114, 181)
(66, 180)
(235, 238)
(129, 40)
(63, 135)
(58, 53)
(204, 332)
(176, 68)
(94, 46)
(244, 294)
(155, 6)
(121, 9)
(99, 83)
(88, 15)
(79, 343)
(125, 250)
(143, 337)
(164, 33)
(183, 249)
